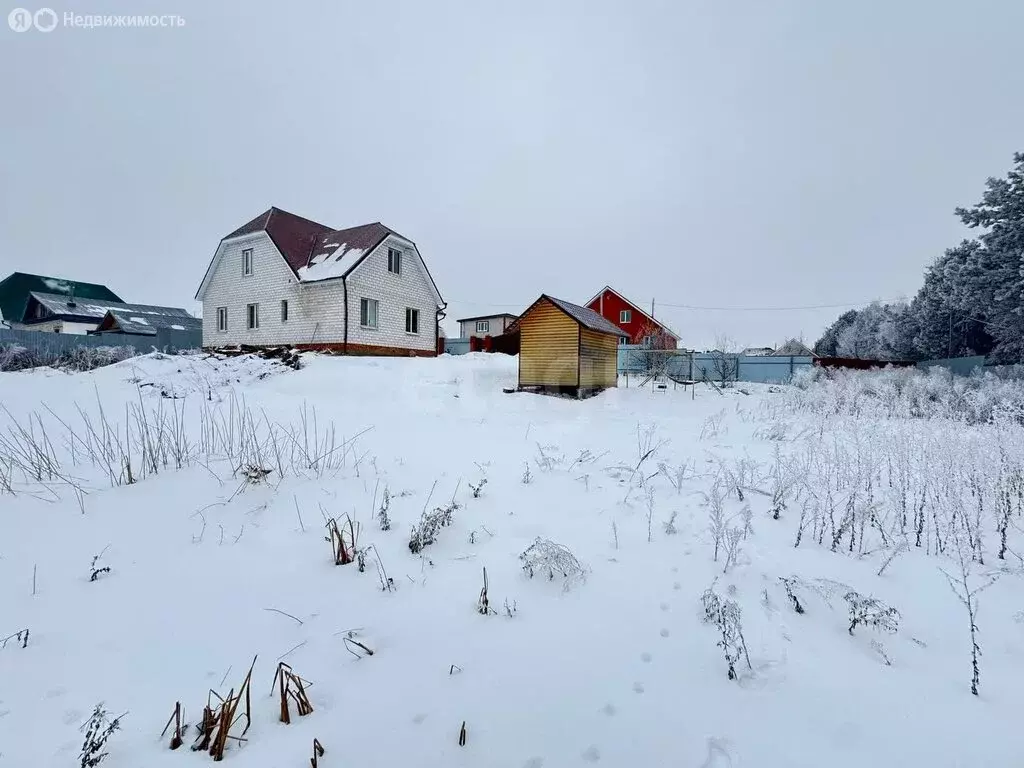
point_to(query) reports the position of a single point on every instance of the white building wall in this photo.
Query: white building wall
(498, 324)
(316, 311)
(394, 293)
(57, 326)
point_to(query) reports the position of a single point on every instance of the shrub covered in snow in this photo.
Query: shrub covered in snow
(907, 393)
(550, 558)
(14, 357)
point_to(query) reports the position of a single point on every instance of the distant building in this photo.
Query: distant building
(758, 351)
(60, 313)
(637, 326)
(16, 290)
(794, 347)
(485, 325)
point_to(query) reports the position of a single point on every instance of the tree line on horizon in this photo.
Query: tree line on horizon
(971, 301)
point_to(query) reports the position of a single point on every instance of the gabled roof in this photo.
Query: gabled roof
(793, 347)
(15, 288)
(486, 317)
(293, 235)
(588, 318)
(637, 308)
(88, 310)
(315, 251)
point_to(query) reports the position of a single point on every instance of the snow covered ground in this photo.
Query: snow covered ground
(617, 667)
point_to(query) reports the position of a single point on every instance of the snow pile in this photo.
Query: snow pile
(636, 579)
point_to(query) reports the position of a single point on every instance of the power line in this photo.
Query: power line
(795, 308)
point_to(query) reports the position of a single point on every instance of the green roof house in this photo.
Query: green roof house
(16, 290)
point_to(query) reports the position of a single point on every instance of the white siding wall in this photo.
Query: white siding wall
(58, 326)
(394, 293)
(271, 281)
(316, 311)
(497, 327)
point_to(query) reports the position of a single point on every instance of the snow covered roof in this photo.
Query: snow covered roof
(337, 253)
(131, 322)
(142, 318)
(794, 347)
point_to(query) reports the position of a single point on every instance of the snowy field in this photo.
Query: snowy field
(756, 578)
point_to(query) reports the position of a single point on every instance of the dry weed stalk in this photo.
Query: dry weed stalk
(21, 636)
(318, 752)
(290, 684)
(177, 717)
(343, 540)
(215, 728)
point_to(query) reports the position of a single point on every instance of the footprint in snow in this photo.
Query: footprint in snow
(591, 754)
(664, 606)
(677, 586)
(664, 632)
(638, 687)
(646, 657)
(534, 762)
(609, 709)
(418, 719)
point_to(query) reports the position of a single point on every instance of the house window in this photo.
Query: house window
(623, 339)
(483, 326)
(626, 316)
(253, 316)
(222, 318)
(368, 313)
(284, 310)
(394, 261)
(247, 262)
(412, 320)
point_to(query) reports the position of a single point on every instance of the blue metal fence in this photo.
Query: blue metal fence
(456, 346)
(696, 366)
(43, 343)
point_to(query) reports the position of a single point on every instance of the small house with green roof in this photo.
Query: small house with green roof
(16, 291)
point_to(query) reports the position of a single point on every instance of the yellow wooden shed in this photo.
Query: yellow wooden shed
(566, 349)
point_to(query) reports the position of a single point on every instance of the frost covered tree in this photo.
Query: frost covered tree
(994, 275)
(971, 301)
(827, 345)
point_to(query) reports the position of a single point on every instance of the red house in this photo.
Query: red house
(636, 324)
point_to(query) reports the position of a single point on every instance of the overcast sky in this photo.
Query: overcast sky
(739, 154)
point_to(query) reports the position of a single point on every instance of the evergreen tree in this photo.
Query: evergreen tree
(972, 299)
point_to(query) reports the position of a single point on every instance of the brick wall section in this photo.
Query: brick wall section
(316, 311)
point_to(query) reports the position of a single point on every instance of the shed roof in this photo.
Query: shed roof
(588, 318)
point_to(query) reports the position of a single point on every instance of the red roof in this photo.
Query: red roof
(293, 235)
(300, 239)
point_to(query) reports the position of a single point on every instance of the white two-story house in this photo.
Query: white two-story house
(283, 279)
